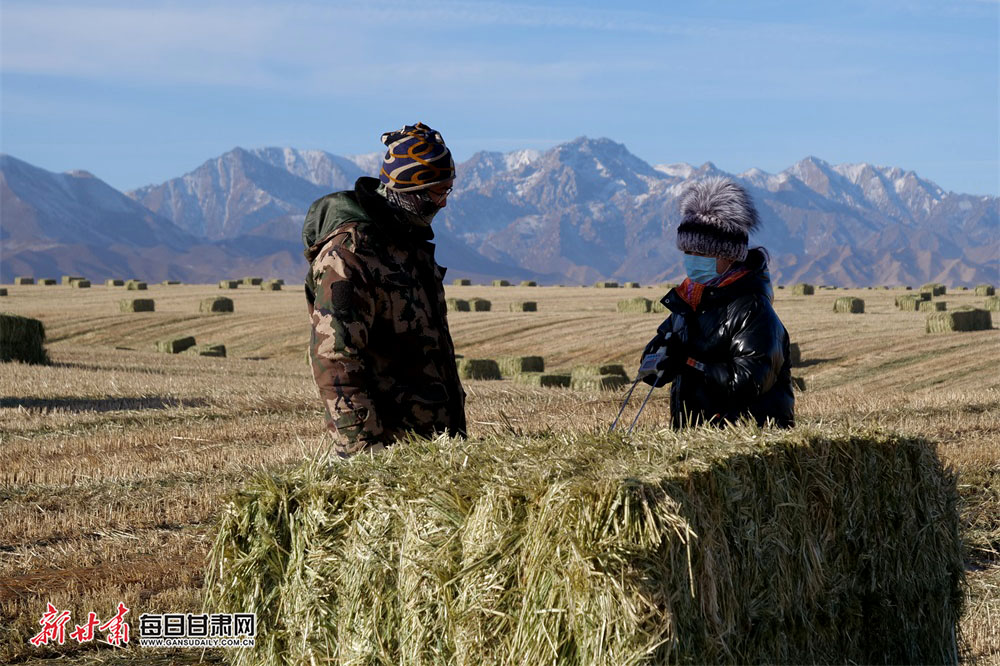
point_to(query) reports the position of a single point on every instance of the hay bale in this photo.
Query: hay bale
(280, 281)
(112, 282)
(68, 279)
(461, 282)
(992, 304)
(635, 305)
(908, 303)
(80, 284)
(963, 288)
(478, 368)
(597, 382)
(849, 304)
(136, 305)
(136, 285)
(516, 365)
(524, 306)
(252, 281)
(48, 282)
(229, 284)
(501, 283)
(606, 285)
(936, 288)
(22, 339)
(175, 345)
(457, 305)
(803, 289)
(24, 280)
(631, 285)
(960, 319)
(657, 306)
(932, 306)
(714, 546)
(216, 304)
(3, 291)
(480, 305)
(794, 353)
(599, 369)
(270, 285)
(529, 283)
(543, 380)
(985, 290)
(211, 349)
(170, 283)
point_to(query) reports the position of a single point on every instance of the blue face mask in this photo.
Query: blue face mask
(700, 269)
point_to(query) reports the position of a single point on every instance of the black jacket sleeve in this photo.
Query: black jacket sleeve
(757, 353)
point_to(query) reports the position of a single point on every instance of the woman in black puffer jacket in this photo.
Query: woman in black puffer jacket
(726, 350)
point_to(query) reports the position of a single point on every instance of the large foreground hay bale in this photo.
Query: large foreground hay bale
(936, 288)
(136, 305)
(543, 380)
(524, 306)
(704, 546)
(229, 284)
(24, 280)
(210, 349)
(933, 306)
(22, 339)
(803, 289)
(80, 284)
(635, 305)
(960, 319)
(461, 282)
(501, 283)
(457, 305)
(478, 368)
(528, 283)
(112, 282)
(216, 304)
(985, 290)
(606, 285)
(599, 369)
(175, 345)
(480, 305)
(136, 285)
(992, 304)
(598, 382)
(515, 365)
(849, 304)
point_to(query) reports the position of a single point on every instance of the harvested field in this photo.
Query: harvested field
(116, 460)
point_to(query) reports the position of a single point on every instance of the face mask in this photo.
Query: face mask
(700, 269)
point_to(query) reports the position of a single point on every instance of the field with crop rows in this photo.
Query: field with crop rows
(115, 459)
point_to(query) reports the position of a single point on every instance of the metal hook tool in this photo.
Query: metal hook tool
(646, 368)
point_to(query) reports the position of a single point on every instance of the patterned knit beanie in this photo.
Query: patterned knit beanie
(417, 158)
(717, 216)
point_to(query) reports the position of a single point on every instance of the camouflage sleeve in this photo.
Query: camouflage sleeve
(342, 314)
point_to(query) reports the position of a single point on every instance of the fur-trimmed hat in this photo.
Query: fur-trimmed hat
(717, 216)
(416, 158)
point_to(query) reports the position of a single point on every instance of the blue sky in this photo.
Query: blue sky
(139, 92)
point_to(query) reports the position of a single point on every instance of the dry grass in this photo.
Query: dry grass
(114, 460)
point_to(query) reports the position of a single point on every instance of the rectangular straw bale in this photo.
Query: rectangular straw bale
(252, 281)
(113, 282)
(515, 365)
(48, 282)
(457, 305)
(3, 291)
(229, 284)
(597, 382)
(478, 368)
(543, 380)
(794, 353)
(270, 285)
(631, 285)
(479, 304)
(849, 304)
(992, 304)
(933, 306)
(985, 290)
(170, 283)
(635, 305)
(22, 339)
(706, 546)
(908, 303)
(216, 304)
(524, 306)
(175, 345)
(803, 289)
(136, 285)
(529, 283)
(211, 349)
(461, 282)
(24, 280)
(606, 285)
(137, 305)
(962, 288)
(936, 288)
(80, 284)
(68, 279)
(599, 369)
(501, 283)
(280, 281)
(960, 319)
(657, 306)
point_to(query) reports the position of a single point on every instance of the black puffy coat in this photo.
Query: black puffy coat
(735, 361)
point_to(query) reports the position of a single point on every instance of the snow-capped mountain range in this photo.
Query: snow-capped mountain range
(581, 211)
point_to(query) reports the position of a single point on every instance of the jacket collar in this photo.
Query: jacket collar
(694, 297)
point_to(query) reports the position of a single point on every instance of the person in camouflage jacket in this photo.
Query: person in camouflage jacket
(380, 350)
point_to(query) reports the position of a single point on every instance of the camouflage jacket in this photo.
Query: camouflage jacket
(380, 351)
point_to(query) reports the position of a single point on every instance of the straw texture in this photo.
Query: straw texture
(608, 382)
(933, 306)
(543, 380)
(22, 339)
(635, 305)
(960, 319)
(992, 303)
(515, 365)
